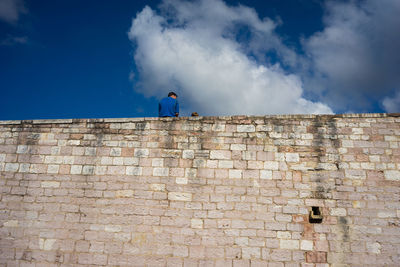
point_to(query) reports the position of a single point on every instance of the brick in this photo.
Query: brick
(113, 228)
(180, 196)
(265, 174)
(292, 157)
(124, 193)
(88, 170)
(271, 165)
(225, 164)
(22, 149)
(197, 223)
(76, 169)
(131, 170)
(188, 154)
(157, 187)
(280, 255)
(235, 174)
(180, 251)
(46, 243)
(238, 147)
(289, 244)
(251, 252)
(392, 175)
(374, 247)
(387, 214)
(50, 184)
(160, 171)
(316, 257)
(220, 154)
(338, 212)
(181, 180)
(306, 245)
(246, 128)
(11, 167)
(355, 174)
(11, 223)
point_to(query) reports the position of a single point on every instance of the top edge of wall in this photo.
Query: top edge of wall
(223, 118)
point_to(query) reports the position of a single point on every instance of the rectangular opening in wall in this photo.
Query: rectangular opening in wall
(315, 215)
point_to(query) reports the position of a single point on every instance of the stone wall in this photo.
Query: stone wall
(201, 191)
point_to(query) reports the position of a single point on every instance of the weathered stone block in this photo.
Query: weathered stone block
(50, 184)
(246, 128)
(220, 154)
(180, 196)
(392, 175)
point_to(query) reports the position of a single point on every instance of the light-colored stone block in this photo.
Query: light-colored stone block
(24, 167)
(235, 174)
(191, 173)
(387, 214)
(124, 193)
(264, 174)
(46, 243)
(11, 167)
(157, 162)
(246, 128)
(220, 154)
(76, 169)
(88, 170)
(141, 152)
(196, 223)
(355, 174)
(100, 170)
(180, 196)
(22, 149)
(11, 223)
(181, 180)
(113, 228)
(225, 164)
(238, 147)
(251, 252)
(90, 151)
(289, 244)
(53, 169)
(188, 154)
(160, 171)
(271, 165)
(283, 235)
(374, 247)
(130, 170)
(292, 157)
(157, 187)
(306, 245)
(392, 175)
(50, 184)
(338, 212)
(115, 152)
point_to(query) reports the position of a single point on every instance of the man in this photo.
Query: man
(169, 106)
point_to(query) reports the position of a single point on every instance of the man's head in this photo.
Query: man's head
(172, 94)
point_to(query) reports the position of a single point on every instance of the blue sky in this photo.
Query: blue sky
(105, 59)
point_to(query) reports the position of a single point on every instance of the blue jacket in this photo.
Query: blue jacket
(168, 107)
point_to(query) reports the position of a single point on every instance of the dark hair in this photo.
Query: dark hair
(195, 114)
(172, 93)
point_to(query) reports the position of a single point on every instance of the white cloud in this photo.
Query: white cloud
(193, 46)
(355, 60)
(392, 104)
(10, 10)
